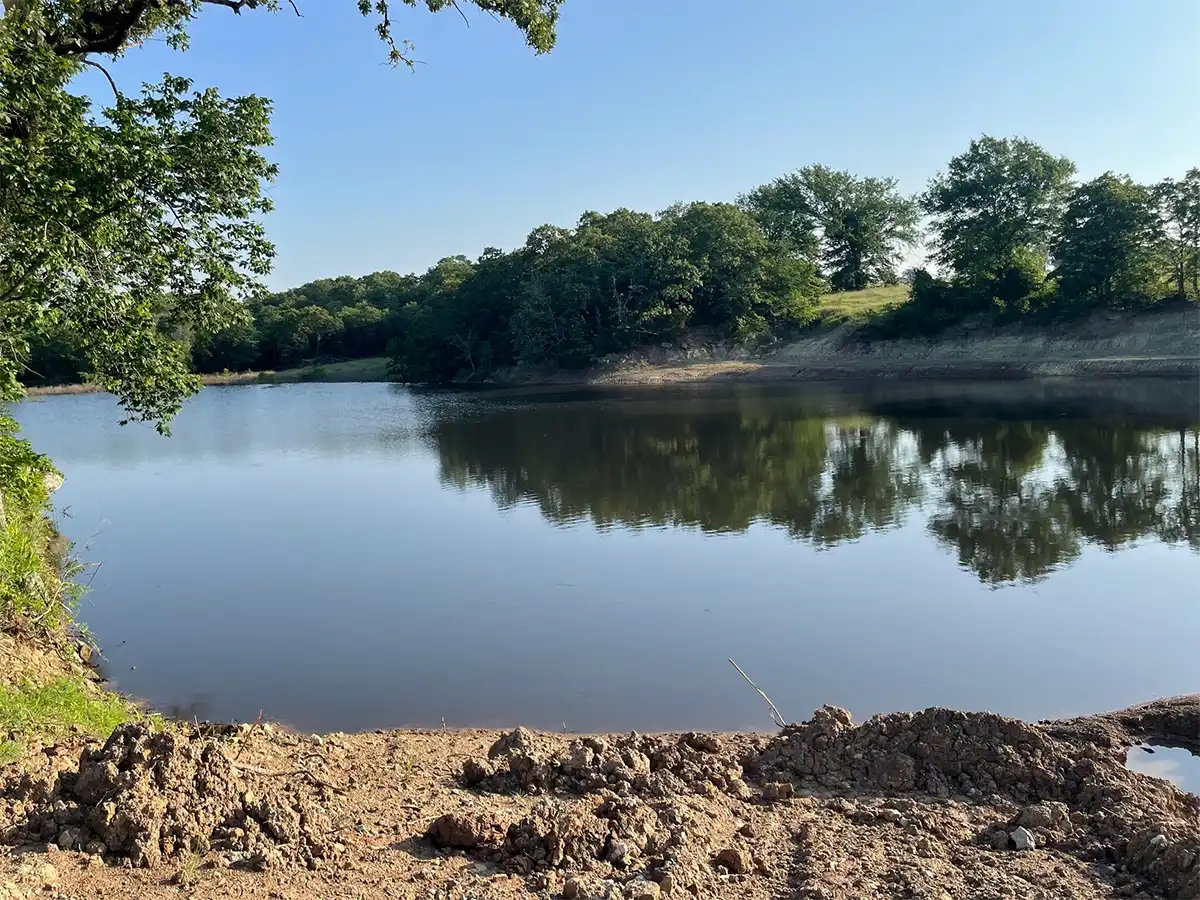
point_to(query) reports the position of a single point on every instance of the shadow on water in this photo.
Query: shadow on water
(1013, 496)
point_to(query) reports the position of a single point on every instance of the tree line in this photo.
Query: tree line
(1011, 232)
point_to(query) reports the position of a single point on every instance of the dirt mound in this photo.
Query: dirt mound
(149, 797)
(621, 839)
(1081, 798)
(1061, 786)
(633, 765)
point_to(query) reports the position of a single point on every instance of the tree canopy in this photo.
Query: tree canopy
(126, 228)
(997, 205)
(857, 228)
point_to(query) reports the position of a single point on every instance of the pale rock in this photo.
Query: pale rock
(1023, 838)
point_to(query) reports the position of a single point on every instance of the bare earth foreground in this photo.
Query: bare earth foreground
(936, 804)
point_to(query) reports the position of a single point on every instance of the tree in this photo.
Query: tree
(233, 349)
(140, 220)
(996, 207)
(858, 227)
(1178, 206)
(747, 284)
(1106, 246)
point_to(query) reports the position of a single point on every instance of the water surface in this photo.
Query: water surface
(345, 557)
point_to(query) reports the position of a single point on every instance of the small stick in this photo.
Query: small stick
(776, 715)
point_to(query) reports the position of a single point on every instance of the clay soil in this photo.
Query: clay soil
(937, 804)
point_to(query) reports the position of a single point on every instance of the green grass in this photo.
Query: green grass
(59, 707)
(373, 368)
(859, 306)
(9, 752)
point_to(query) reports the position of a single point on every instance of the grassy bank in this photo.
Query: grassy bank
(859, 306)
(46, 689)
(373, 368)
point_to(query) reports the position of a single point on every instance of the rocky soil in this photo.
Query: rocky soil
(937, 804)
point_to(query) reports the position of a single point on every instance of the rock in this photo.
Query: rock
(85, 652)
(1022, 838)
(999, 840)
(68, 838)
(47, 875)
(573, 889)
(619, 854)
(465, 832)
(95, 848)
(1042, 815)
(475, 771)
(705, 743)
(1159, 840)
(887, 814)
(666, 884)
(783, 790)
(643, 890)
(736, 860)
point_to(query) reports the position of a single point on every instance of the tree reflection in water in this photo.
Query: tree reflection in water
(1013, 499)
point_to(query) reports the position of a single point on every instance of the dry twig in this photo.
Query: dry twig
(776, 715)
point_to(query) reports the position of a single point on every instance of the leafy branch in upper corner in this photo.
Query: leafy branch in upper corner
(126, 231)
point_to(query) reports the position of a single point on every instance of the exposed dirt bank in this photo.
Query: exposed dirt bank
(936, 804)
(1156, 343)
(1159, 343)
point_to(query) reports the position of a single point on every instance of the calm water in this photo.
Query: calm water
(361, 556)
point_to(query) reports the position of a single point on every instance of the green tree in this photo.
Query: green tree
(996, 208)
(1106, 247)
(857, 227)
(746, 284)
(364, 331)
(140, 220)
(1178, 206)
(234, 348)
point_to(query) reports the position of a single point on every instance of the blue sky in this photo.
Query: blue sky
(647, 102)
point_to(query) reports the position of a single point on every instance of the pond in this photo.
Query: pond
(356, 556)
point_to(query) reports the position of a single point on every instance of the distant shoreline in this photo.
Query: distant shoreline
(1160, 344)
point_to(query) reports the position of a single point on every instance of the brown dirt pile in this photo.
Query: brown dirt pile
(936, 804)
(149, 797)
(1077, 796)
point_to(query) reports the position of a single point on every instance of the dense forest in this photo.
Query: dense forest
(1008, 229)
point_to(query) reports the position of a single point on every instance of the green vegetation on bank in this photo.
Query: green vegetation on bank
(1014, 237)
(60, 707)
(857, 307)
(38, 600)
(31, 590)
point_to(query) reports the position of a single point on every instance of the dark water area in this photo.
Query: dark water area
(345, 557)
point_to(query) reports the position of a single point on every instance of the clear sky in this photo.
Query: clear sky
(647, 102)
